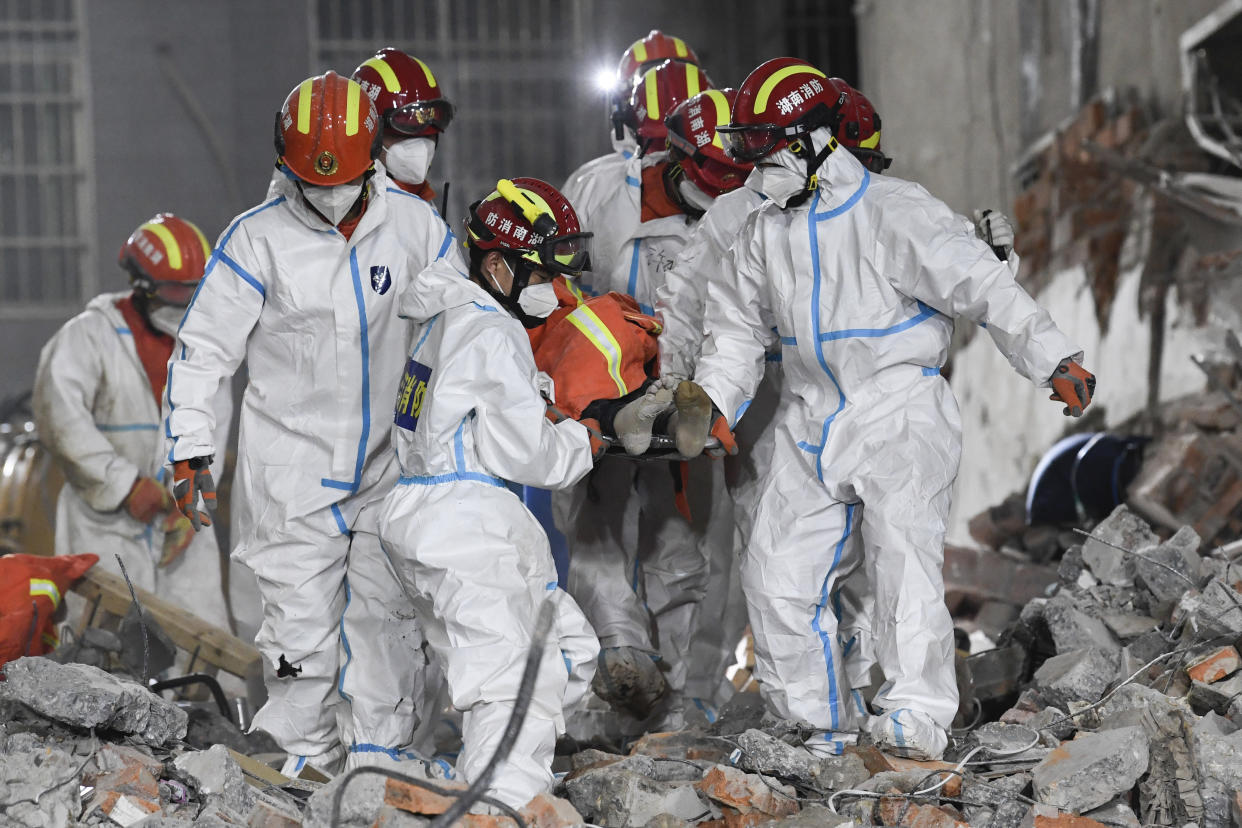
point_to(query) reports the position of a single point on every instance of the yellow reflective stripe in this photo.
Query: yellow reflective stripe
(653, 99)
(42, 586)
(692, 80)
(304, 105)
(640, 52)
(765, 91)
(679, 46)
(352, 95)
(722, 113)
(170, 244)
(872, 142)
(385, 72)
(431, 79)
(202, 239)
(594, 329)
(575, 290)
(52, 640)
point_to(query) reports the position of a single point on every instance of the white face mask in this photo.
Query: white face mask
(166, 318)
(538, 300)
(407, 161)
(691, 193)
(783, 176)
(333, 202)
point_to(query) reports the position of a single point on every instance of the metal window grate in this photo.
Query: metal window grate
(45, 182)
(512, 70)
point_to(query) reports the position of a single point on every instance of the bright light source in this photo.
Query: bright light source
(605, 80)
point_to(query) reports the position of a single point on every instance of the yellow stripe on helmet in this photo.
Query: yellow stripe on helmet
(765, 91)
(679, 46)
(653, 98)
(386, 74)
(42, 586)
(872, 142)
(353, 95)
(692, 80)
(304, 105)
(722, 112)
(594, 329)
(431, 79)
(202, 240)
(640, 52)
(171, 248)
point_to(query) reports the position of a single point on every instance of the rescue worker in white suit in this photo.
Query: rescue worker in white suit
(97, 404)
(680, 305)
(862, 276)
(643, 604)
(469, 417)
(601, 176)
(305, 287)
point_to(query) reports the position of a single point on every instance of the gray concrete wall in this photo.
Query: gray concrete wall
(947, 77)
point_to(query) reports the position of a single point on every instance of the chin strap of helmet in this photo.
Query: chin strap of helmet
(672, 177)
(802, 147)
(521, 271)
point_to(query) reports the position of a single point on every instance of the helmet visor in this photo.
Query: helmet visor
(873, 160)
(420, 119)
(174, 293)
(750, 142)
(569, 254)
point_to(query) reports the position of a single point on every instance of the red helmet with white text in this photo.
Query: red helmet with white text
(695, 144)
(405, 93)
(165, 258)
(783, 99)
(656, 95)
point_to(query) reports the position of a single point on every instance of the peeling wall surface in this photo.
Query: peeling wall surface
(966, 89)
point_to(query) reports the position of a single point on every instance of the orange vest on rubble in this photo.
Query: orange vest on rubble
(594, 348)
(31, 588)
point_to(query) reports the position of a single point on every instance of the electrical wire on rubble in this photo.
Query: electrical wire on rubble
(142, 622)
(463, 800)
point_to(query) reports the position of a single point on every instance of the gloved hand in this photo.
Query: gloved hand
(599, 443)
(147, 500)
(1073, 385)
(720, 430)
(178, 532)
(995, 228)
(192, 479)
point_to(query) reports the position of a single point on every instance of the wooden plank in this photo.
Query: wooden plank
(187, 631)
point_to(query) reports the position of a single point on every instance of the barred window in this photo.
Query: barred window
(46, 235)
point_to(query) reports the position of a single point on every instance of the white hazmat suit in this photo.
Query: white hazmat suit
(99, 417)
(862, 282)
(315, 317)
(475, 560)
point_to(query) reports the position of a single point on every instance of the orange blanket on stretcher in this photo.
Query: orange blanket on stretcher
(594, 347)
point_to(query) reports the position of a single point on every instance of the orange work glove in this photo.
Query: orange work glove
(178, 532)
(192, 479)
(147, 500)
(599, 443)
(1073, 385)
(720, 430)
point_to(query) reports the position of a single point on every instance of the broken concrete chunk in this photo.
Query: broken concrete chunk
(747, 792)
(900, 811)
(1073, 629)
(85, 696)
(1214, 666)
(1131, 704)
(216, 777)
(39, 788)
(621, 794)
(1168, 569)
(361, 802)
(1126, 625)
(1092, 769)
(1076, 676)
(1216, 696)
(1101, 551)
(1219, 763)
(993, 793)
(1116, 814)
(812, 816)
(684, 744)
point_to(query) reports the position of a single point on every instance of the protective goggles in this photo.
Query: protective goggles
(873, 160)
(420, 119)
(177, 294)
(569, 254)
(750, 142)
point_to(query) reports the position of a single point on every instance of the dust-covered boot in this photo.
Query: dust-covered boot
(633, 423)
(629, 679)
(692, 421)
(908, 733)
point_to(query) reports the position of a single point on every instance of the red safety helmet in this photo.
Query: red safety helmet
(328, 131)
(859, 129)
(657, 94)
(653, 49)
(531, 219)
(165, 258)
(783, 99)
(405, 93)
(696, 146)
